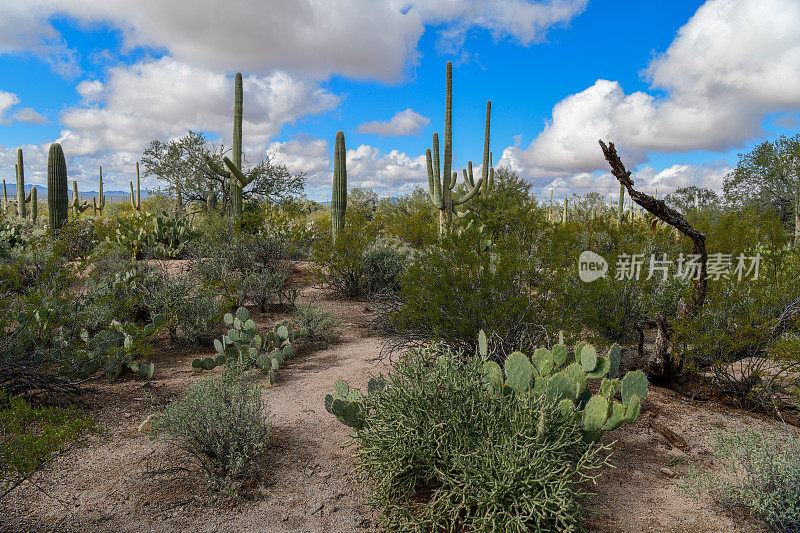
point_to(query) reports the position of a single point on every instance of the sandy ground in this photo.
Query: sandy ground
(101, 483)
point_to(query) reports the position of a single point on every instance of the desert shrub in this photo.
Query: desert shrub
(409, 218)
(468, 284)
(439, 453)
(221, 425)
(79, 238)
(744, 327)
(265, 287)
(756, 472)
(189, 315)
(31, 436)
(319, 323)
(225, 264)
(339, 263)
(383, 266)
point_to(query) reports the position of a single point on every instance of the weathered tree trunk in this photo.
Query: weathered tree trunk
(672, 367)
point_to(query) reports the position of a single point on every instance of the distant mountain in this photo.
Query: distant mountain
(41, 193)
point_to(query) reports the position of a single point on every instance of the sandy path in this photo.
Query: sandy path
(309, 486)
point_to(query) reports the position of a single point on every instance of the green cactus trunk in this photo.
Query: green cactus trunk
(621, 203)
(339, 198)
(34, 205)
(5, 198)
(138, 190)
(487, 186)
(564, 218)
(236, 155)
(22, 211)
(57, 186)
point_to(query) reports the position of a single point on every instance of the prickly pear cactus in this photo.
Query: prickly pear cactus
(564, 380)
(347, 403)
(244, 346)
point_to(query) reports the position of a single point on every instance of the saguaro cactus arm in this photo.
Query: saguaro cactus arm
(216, 168)
(243, 180)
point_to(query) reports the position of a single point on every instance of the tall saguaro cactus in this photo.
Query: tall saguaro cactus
(136, 201)
(440, 180)
(621, 203)
(34, 205)
(234, 176)
(22, 209)
(99, 207)
(57, 186)
(339, 199)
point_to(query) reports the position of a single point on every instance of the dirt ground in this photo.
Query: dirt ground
(100, 484)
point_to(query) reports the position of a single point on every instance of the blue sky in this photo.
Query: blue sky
(681, 87)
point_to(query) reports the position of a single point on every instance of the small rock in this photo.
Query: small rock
(667, 471)
(324, 475)
(127, 415)
(144, 427)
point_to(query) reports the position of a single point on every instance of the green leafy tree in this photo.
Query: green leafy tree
(684, 198)
(188, 166)
(768, 177)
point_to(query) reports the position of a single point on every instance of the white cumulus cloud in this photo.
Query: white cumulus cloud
(407, 122)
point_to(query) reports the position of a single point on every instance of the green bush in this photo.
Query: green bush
(757, 472)
(221, 424)
(383, 267)
(339, 263)
(30, 436)
(451, 292)
(321, 324)
(439, 453)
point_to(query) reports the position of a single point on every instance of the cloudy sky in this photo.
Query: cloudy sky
(680, 86)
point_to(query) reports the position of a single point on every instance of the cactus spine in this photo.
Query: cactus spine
(441, 184)
(57, 186)
(339, 199)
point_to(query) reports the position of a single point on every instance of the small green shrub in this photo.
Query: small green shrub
(30, 436)
(320, 323)
(339, 263)
(468, 284)
(440, 453)
(383, 266)
(221, 424)
(757, 472)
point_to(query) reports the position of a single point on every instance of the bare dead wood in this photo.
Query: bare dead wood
(670, 216)
(674, 440)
